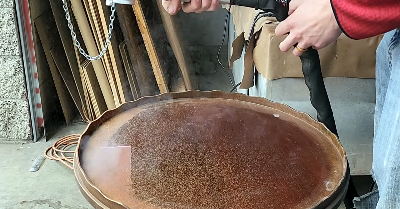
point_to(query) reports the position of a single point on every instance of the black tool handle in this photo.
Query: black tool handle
(279, 8)
(266, 5)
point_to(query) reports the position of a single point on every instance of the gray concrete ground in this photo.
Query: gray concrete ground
(53, 186)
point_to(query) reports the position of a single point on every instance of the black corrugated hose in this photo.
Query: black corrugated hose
(315, 83)
(320, 101)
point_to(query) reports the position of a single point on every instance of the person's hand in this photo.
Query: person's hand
(311, 23)
(198, 6)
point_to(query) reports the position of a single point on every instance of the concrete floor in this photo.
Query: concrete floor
(53, 186)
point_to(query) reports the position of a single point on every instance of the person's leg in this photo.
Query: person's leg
(384, 66)
(382, 73)
(386, 148)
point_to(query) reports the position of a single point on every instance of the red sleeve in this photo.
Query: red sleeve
(360, 19)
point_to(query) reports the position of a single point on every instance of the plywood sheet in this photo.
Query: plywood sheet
(63, 80)
(144, 18)
(67, 42)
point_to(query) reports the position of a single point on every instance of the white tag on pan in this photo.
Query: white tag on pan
(109, 2)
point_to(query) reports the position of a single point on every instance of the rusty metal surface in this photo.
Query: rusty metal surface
(209, 150)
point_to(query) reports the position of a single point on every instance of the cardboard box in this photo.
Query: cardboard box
(343, 58)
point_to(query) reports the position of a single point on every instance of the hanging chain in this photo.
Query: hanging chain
(73, 34)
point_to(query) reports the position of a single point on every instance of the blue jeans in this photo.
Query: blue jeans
(386, 147)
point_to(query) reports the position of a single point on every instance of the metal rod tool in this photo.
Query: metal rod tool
(279, 8)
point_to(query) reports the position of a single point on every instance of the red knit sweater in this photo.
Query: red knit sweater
(360, 19)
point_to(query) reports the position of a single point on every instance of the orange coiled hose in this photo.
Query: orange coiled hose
(63, 150)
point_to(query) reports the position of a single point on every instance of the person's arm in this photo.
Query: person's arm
(315, 23)
(360, 19)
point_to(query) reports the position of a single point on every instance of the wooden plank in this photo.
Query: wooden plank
(38, 7)
(91, 47)
(143, 24)
(80, 58)
(123, 76)
(129, 72)
(51, 106)
(137, 54)
(175, 39)
(95, 99)
(91, 101)
(90, 19)
(52, 42)
(62, 66)
(92, 87)
(89, 115)
(67, 42)
(67, 103)
(92, 107)
(114, 51)
(99, 14)
(97, 27)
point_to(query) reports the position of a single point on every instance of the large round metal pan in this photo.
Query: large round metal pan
(209, 150)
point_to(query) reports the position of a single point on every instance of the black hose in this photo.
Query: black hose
(350, 194)
(371, 188)
(320, 101)
(315, 83)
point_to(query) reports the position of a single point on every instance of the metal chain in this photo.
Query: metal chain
(226, 30)
(73, 34)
